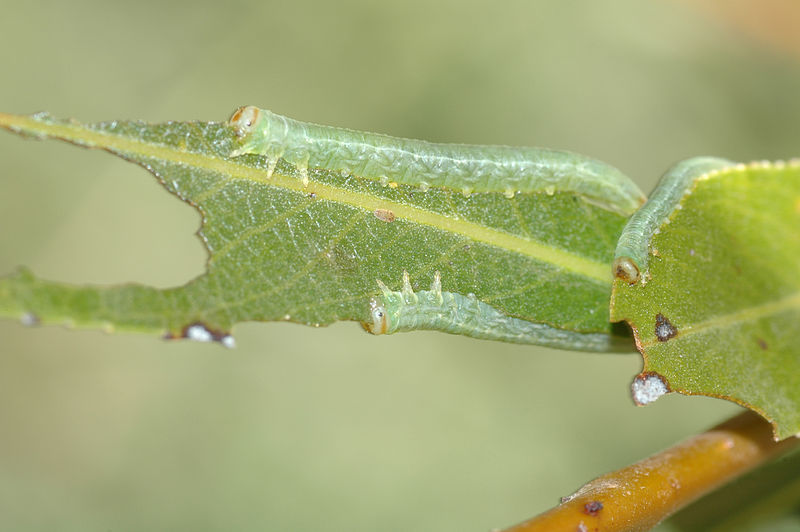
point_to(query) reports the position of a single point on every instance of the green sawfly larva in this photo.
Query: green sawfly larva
(434, 309)
(631, 255)
(460, 167)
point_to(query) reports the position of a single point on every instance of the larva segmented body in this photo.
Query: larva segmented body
(454, 313)
(459, 167)
(630, 257)
(493, 172)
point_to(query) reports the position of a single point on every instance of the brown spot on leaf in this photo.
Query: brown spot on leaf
(200, 332)
(664, 329)
(647, 387)
(592, 508)
(29, 319)
(762, 344)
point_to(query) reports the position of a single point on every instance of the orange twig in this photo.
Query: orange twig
(641, 495)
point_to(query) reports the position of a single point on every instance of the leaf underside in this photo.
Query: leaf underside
(312, 253)
(717, 313)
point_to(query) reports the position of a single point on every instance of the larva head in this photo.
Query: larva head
(244, 120)
(626, 269)
(380, 320)
(261, 132)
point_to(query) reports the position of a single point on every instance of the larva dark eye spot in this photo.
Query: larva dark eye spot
(379, 324)
(244, 119)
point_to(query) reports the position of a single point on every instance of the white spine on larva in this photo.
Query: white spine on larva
(409, 296)
(435, 309)
(436, 287)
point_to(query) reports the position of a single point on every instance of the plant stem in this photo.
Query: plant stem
(639, 496)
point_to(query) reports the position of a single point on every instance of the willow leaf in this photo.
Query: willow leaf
(315, 244)
(716, 311)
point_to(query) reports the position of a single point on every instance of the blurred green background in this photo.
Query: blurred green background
(333, 429)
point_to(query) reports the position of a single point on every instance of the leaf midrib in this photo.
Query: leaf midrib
(75, 133)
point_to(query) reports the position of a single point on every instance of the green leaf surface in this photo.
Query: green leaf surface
(717, 312)
(312, 248)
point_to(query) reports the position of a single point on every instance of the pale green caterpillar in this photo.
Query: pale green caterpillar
(454, 313)
(464, 168)
(631, 255)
